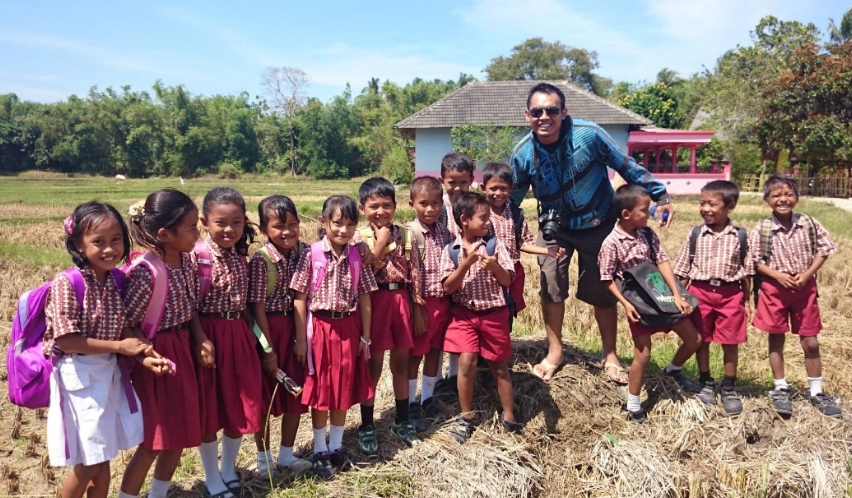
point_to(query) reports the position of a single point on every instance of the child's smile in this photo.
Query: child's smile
(379, 210)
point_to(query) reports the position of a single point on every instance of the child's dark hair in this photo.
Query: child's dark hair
(466, 205)
(225, 195)
(428, 184)
(456, 161)
(340, 204)
(627, 197)
(376, 187)
(728, 190)
(278, 204)
(163, 209)
(776, 181)
(548, 89)
(84, 218)
(499, 171)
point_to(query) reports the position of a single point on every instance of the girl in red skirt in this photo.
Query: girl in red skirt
(230, 393)
(341, 331)
(271, 301)
(167, 226)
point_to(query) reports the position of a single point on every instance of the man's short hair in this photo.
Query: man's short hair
(456, 161)
(500, 171)
(728, 190)
(777, 181)
(548, 89)
(428, 184)
(627, 197)
(466, 205)
(376, 187)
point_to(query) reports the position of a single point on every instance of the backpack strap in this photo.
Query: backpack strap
(159, 292)
(367, 236)
(490, 248)
(742, 235)
(415, 235)
(444, 217)
(811, 226)
(693, 242)
(765, 228)
(205, 269)
(517, 223)
(271, 271)
(77, 283)
(649, 235)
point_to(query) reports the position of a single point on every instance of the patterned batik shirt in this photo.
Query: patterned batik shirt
(101, 315)
(717, 257)
(335, 292)
(503, 227)
(621, 251)
(791, 249)
(480, 289)
(426, 274)
(181, 299)
(229, 286)
(281, 299)
(396, 268)
(454, 229)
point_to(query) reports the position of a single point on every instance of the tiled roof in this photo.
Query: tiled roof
(502, 103)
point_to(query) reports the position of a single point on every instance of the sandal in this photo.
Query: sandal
(546, 370)
(221, 494)
(620, 377)
(235, 487)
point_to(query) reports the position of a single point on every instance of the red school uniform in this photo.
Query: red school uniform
(480, 319)
(230, 393)
(780, 309)
(715, 276)
(503, 227)
(341, 377)
(391, 328)
(429, 288)
(282, 331)
(169, 403)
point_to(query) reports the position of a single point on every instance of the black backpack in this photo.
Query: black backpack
(490, 249)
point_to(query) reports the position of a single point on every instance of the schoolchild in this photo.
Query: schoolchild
(271, 302)
(716, 263)
(93, 411)
(390, 329)
(629, 244)
(230, 387)
(166, 225)
(475, 278)
(788, 249)
(339, 322)
(431, 306)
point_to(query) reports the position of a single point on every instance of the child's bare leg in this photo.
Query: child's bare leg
(467, 372)
(776, 355)
(375, 364)
(319, 418)
(691, 340)
(500, 371)
(338, 417)
(167, 463)
(100, 483)
(702, 357)
(641, 358)
(78, 480)
(289, 428)
(261, 438)
(137, 469)
(414, 367)
(399, 373)
(432, 362)
(730, 356)
(813, 362)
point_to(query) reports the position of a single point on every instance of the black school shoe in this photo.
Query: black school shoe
(683, 381)
(339, 458)
(447, 390)
(827, 405)
(417, 417)
(731, 401)
(322, 466)
(707, 394)
(432, 412)
(461, 429)
(637, 417)
(781, 400)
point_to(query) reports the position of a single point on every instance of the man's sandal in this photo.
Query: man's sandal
(620, 376)
(546, 370)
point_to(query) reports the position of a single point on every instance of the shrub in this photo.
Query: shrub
(229, 171)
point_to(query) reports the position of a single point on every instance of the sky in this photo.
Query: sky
(52, 49)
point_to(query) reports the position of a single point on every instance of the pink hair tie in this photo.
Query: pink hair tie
(69, 225)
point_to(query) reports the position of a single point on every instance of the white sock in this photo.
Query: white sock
(453, 369)
(285, 456)
(634, 403)
(210, 461)
(264, 461)
(427, 388)
(159, 489)
(816, 385)
(320, 445)
(122, 494)
(230, 450)
(779, 383)
(335, 437)
(412, 391)
(672, 367)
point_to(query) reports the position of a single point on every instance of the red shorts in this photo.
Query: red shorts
(637, 329)
(390, 327)
(721, 316)
(777, 307)
(437, 320)
(486, 334)
(516, 288)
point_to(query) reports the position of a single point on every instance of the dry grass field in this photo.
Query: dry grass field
(578, 441)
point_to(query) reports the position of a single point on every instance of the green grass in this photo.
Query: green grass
(32, 256)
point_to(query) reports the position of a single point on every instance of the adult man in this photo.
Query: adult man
(566, 162)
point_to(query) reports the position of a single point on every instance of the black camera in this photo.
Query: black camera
(549, 223)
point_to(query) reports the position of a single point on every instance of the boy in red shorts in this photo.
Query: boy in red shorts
(431, 307)
(716, 263)
(480, 318)
(391, 323)
(627, 246)
(788, 249)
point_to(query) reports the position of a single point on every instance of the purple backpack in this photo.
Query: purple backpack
(29, 369)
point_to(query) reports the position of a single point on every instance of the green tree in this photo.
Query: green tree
(656, 102)
(843, 33)
(485, 143)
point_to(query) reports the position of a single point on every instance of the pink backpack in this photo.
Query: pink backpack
(28, 368)
(318, 265)
(205, 269)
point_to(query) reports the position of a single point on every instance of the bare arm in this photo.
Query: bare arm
(300, 321)
(366, 312)
(78, 343)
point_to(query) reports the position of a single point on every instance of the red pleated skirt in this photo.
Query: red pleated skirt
(170, 410)
(230, 394)
(516, 288)
(282, 330)
(341, 378)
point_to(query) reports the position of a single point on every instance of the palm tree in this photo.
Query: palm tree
(669, 77)
(372, 87)
(843, 33)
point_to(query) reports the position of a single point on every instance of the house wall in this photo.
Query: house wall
(619, 133)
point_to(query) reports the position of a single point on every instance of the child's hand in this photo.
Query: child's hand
(800, 280)
(786, 280)
(632, 314)
(133, 346)
(158, 365)
(470, 254)
(420, 320)
(490, 263)
(364, 349)
(682, 305)
(383, 234)
(555, 252)
(300, 350)
(269, 364)
(367, 256)
(207, 354)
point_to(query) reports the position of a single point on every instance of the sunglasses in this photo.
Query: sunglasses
(551, 111)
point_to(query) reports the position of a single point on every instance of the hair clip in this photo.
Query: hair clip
(69, 225)
(137, 208)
